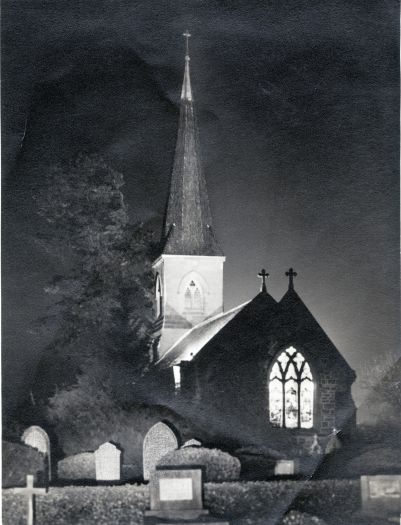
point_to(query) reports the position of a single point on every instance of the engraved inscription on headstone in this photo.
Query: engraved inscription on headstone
(36, 437)
(175, 489)
(158, 441)
(381, 495)
(108, 463)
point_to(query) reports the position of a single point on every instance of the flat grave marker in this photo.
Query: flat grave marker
(381, 495)
(176, 495)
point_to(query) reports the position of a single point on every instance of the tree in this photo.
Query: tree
(102, 310)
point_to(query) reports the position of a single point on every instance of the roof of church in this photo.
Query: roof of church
(261, 326)
(188, 223)
(186, 348)
(298, 319)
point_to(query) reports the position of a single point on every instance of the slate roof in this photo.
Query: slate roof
(188, 223)
(261, 326)
(187, 347)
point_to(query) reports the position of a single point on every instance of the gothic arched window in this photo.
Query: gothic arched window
(193, 300)
(291, 391)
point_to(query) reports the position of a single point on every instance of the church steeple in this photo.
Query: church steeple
(188, 224)
(189, 269)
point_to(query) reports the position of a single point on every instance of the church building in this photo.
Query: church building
(264, 372)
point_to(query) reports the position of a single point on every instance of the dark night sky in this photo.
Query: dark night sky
(297, 104)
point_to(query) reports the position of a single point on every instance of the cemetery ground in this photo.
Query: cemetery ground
(334, 502)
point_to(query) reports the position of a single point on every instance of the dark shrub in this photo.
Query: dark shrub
(80, 466)
(20, 460)
(219, 466)
(377, 460)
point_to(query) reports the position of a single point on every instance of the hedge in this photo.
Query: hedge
(20, 460)
(241, 503)
(219, 466)
(80, 466)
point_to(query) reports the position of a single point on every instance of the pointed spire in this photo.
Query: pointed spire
(186, 92)
(187, 226)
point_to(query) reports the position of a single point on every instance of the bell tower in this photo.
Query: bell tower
(189, 270)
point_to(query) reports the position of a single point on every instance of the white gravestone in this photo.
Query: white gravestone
(159, 440)
(285, 467)
(36, 437)
(108, 463)
(192, 443)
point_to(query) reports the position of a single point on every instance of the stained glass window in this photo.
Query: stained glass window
(193, 298)
(291, 391)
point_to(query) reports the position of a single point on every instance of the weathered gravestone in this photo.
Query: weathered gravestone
(381, 495)
(192, 443)
(36, 437)
(286, 467)
(31, 492)
(159, 440)
(176, 495)
(108, 463)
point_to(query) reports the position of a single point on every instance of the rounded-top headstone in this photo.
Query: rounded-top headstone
(36, 437)
(160, 439)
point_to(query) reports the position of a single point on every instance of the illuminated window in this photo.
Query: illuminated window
(158, 297)
(177, 377)
(193, 300)
(291, 391)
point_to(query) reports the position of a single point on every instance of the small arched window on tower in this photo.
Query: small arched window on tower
(193, 299)
(158, 297)
(291, 391)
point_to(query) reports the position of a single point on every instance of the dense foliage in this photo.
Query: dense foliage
(101, 311)
(20, 460)
(218, 465)
(100, 306)
(80, 466)
(84, 423)
(261, 503)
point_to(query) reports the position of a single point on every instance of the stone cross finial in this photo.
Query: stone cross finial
(30, 491)
(263, 275)
(187, 36)
(291, 274)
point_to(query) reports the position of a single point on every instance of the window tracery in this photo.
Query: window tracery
(193, 300)
(291, 391)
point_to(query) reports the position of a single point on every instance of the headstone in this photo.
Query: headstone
(108, 463)
(30, 491)
(285, 467)
(381, 495)
(176, 494)
(36, 437)
(158, 441)
(192, 443)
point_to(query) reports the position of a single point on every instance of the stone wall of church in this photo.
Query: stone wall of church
(327, 399)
